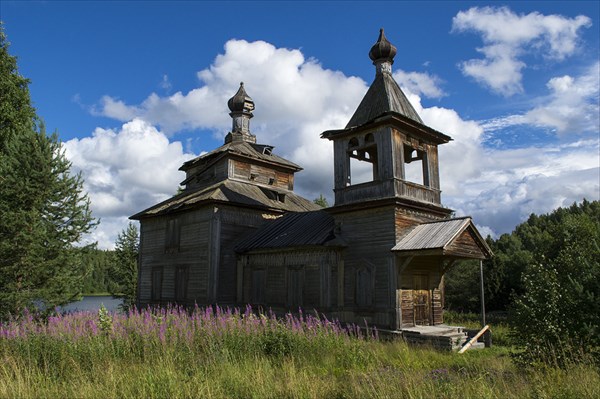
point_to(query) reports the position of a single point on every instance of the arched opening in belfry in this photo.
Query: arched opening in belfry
(362, 156)
(415, 166)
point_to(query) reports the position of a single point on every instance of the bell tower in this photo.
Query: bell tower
(386, 151)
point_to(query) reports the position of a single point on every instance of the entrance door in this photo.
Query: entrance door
(421, 300)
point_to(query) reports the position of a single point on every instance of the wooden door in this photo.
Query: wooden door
(421, 300)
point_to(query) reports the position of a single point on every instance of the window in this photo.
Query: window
(181, 282)
(172, 236)
(364, 287)
(295, 287)
(259, 278)
(156, 291)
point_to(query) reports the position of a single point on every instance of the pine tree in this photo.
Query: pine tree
(43, 209)
(124, 271)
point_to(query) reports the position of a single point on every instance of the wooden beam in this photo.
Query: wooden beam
(473, 340)
(402, 266)
(448, 265)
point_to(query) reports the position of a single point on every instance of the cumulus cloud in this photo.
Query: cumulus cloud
(296, 99)
(570, 108)
(125, 171)
(501, 187)
(508, 36)
(420, 83)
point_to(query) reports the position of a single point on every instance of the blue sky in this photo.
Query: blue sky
(136, 88)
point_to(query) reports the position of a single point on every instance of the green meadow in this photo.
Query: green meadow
(214, 353)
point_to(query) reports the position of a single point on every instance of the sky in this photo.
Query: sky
(136, 88)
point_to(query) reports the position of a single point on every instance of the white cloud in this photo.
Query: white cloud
(508, 36)
(420, 83)
(297, 99)
(570, 108)
(125, 171)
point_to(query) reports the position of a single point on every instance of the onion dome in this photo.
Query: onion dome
(241, 102)
(383, 50)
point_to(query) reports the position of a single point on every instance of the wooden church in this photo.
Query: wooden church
(238, 234)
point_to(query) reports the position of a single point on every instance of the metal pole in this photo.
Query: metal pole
(482, 295)
(487, 337)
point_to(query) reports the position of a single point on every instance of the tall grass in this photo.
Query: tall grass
(221, 353)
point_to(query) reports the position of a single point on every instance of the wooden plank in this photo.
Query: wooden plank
(473, 340)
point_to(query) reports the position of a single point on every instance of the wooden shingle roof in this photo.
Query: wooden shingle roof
(383, 96)
(244, 149)
(236, 193)
(458, 237)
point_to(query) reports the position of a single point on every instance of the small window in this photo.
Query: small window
(271, 181)
(295, 287)
(172, 236)
(181, 283)
(353, 142)
(156, 291)
(364, 288)
(259, 279)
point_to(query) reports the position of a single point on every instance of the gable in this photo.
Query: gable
(451, 237)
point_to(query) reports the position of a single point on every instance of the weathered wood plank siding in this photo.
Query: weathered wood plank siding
(370, 235)
(465, 245)
(192, 251)
(267, 175)
(313, 271)
(235, 223)
(431, 268)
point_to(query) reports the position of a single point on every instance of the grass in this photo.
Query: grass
(227, 354)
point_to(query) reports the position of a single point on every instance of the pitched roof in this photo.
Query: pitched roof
(291, 230)
(442, 237)
(234, 192)
(383, 96)
(242, 148)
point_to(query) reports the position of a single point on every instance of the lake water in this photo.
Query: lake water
(93, 303)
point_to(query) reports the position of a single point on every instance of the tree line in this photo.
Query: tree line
(45, 212)
(546, 276)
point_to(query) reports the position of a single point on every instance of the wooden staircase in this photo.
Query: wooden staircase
(441, 336)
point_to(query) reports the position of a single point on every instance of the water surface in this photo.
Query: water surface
(93, 303)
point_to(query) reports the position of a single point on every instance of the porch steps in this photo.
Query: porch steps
(440, 337)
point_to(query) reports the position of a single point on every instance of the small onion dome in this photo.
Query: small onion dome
(382, 50)
(241, 101)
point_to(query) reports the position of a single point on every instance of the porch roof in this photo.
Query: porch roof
(452, 237)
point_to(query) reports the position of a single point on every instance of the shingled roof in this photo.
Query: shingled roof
(446, 237)
(292, 230)
(234, 192)
(244, 149)
(383, 96)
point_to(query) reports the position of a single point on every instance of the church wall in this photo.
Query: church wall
(208, 177)
(175, 247)
(235, 223)
(369, 268)
(266, 175)
(291, 279)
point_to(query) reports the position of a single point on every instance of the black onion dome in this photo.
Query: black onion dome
(383, 49)
(241, 101)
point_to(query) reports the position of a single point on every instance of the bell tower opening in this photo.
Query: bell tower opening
(362, 155)
(416, 169)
